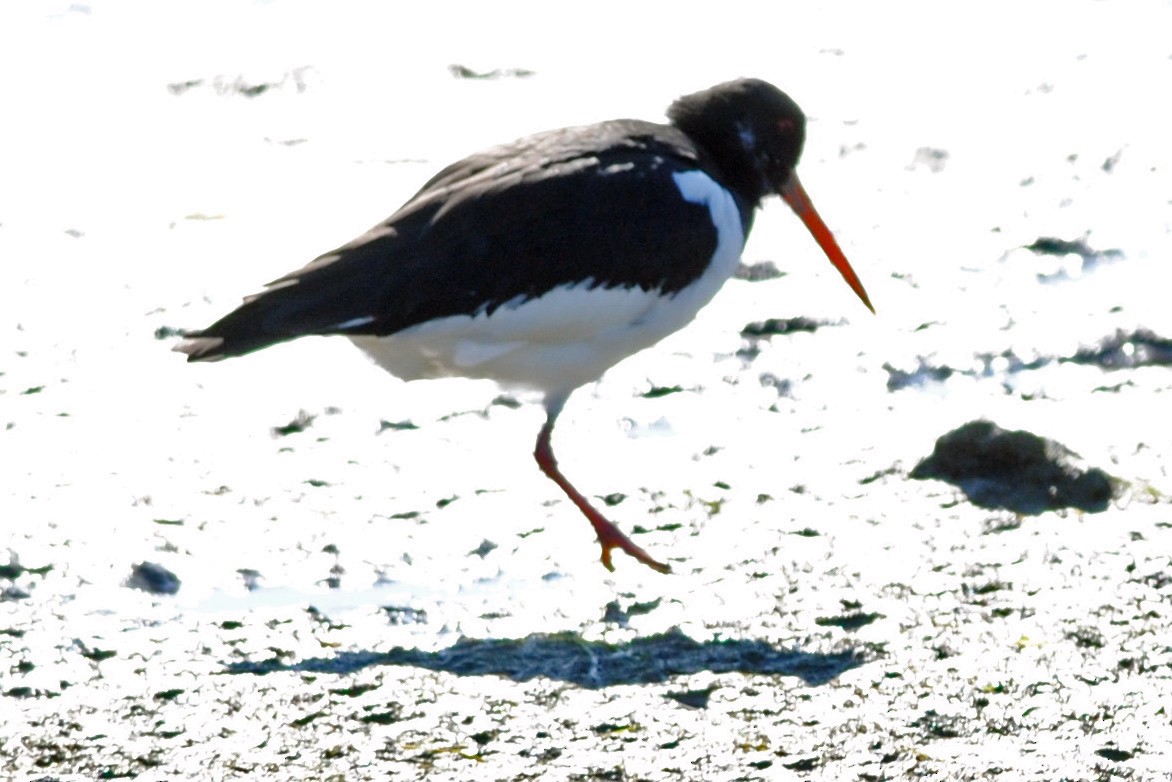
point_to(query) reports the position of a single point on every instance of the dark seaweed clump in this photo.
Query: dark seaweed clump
(1015, 470)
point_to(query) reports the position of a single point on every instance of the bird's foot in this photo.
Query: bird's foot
(611, 537)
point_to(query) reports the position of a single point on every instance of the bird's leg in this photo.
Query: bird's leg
(609, 536)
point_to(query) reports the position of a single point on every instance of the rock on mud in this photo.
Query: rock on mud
(1015, 470)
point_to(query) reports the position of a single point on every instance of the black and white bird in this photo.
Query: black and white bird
(541, 263)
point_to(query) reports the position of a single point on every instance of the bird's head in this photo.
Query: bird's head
(754, 134)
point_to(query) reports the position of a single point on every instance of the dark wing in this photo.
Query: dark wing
(510, 223)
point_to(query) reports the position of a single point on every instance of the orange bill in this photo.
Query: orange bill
(794, 195)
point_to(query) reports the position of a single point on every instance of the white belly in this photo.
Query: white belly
(571, 335)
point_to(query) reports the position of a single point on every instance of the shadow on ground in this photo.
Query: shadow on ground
(589, 664)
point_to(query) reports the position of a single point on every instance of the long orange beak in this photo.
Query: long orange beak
(794, 195)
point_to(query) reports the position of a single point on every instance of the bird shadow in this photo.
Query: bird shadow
(589, 664)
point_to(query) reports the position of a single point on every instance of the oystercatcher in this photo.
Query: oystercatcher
(541, 263)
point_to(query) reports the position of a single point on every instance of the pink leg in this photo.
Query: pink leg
(609, 536)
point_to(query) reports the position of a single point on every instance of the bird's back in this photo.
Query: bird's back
(595, 205)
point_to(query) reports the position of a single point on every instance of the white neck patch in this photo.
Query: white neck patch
(698, 188)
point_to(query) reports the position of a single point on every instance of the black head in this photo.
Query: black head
(753, 131)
